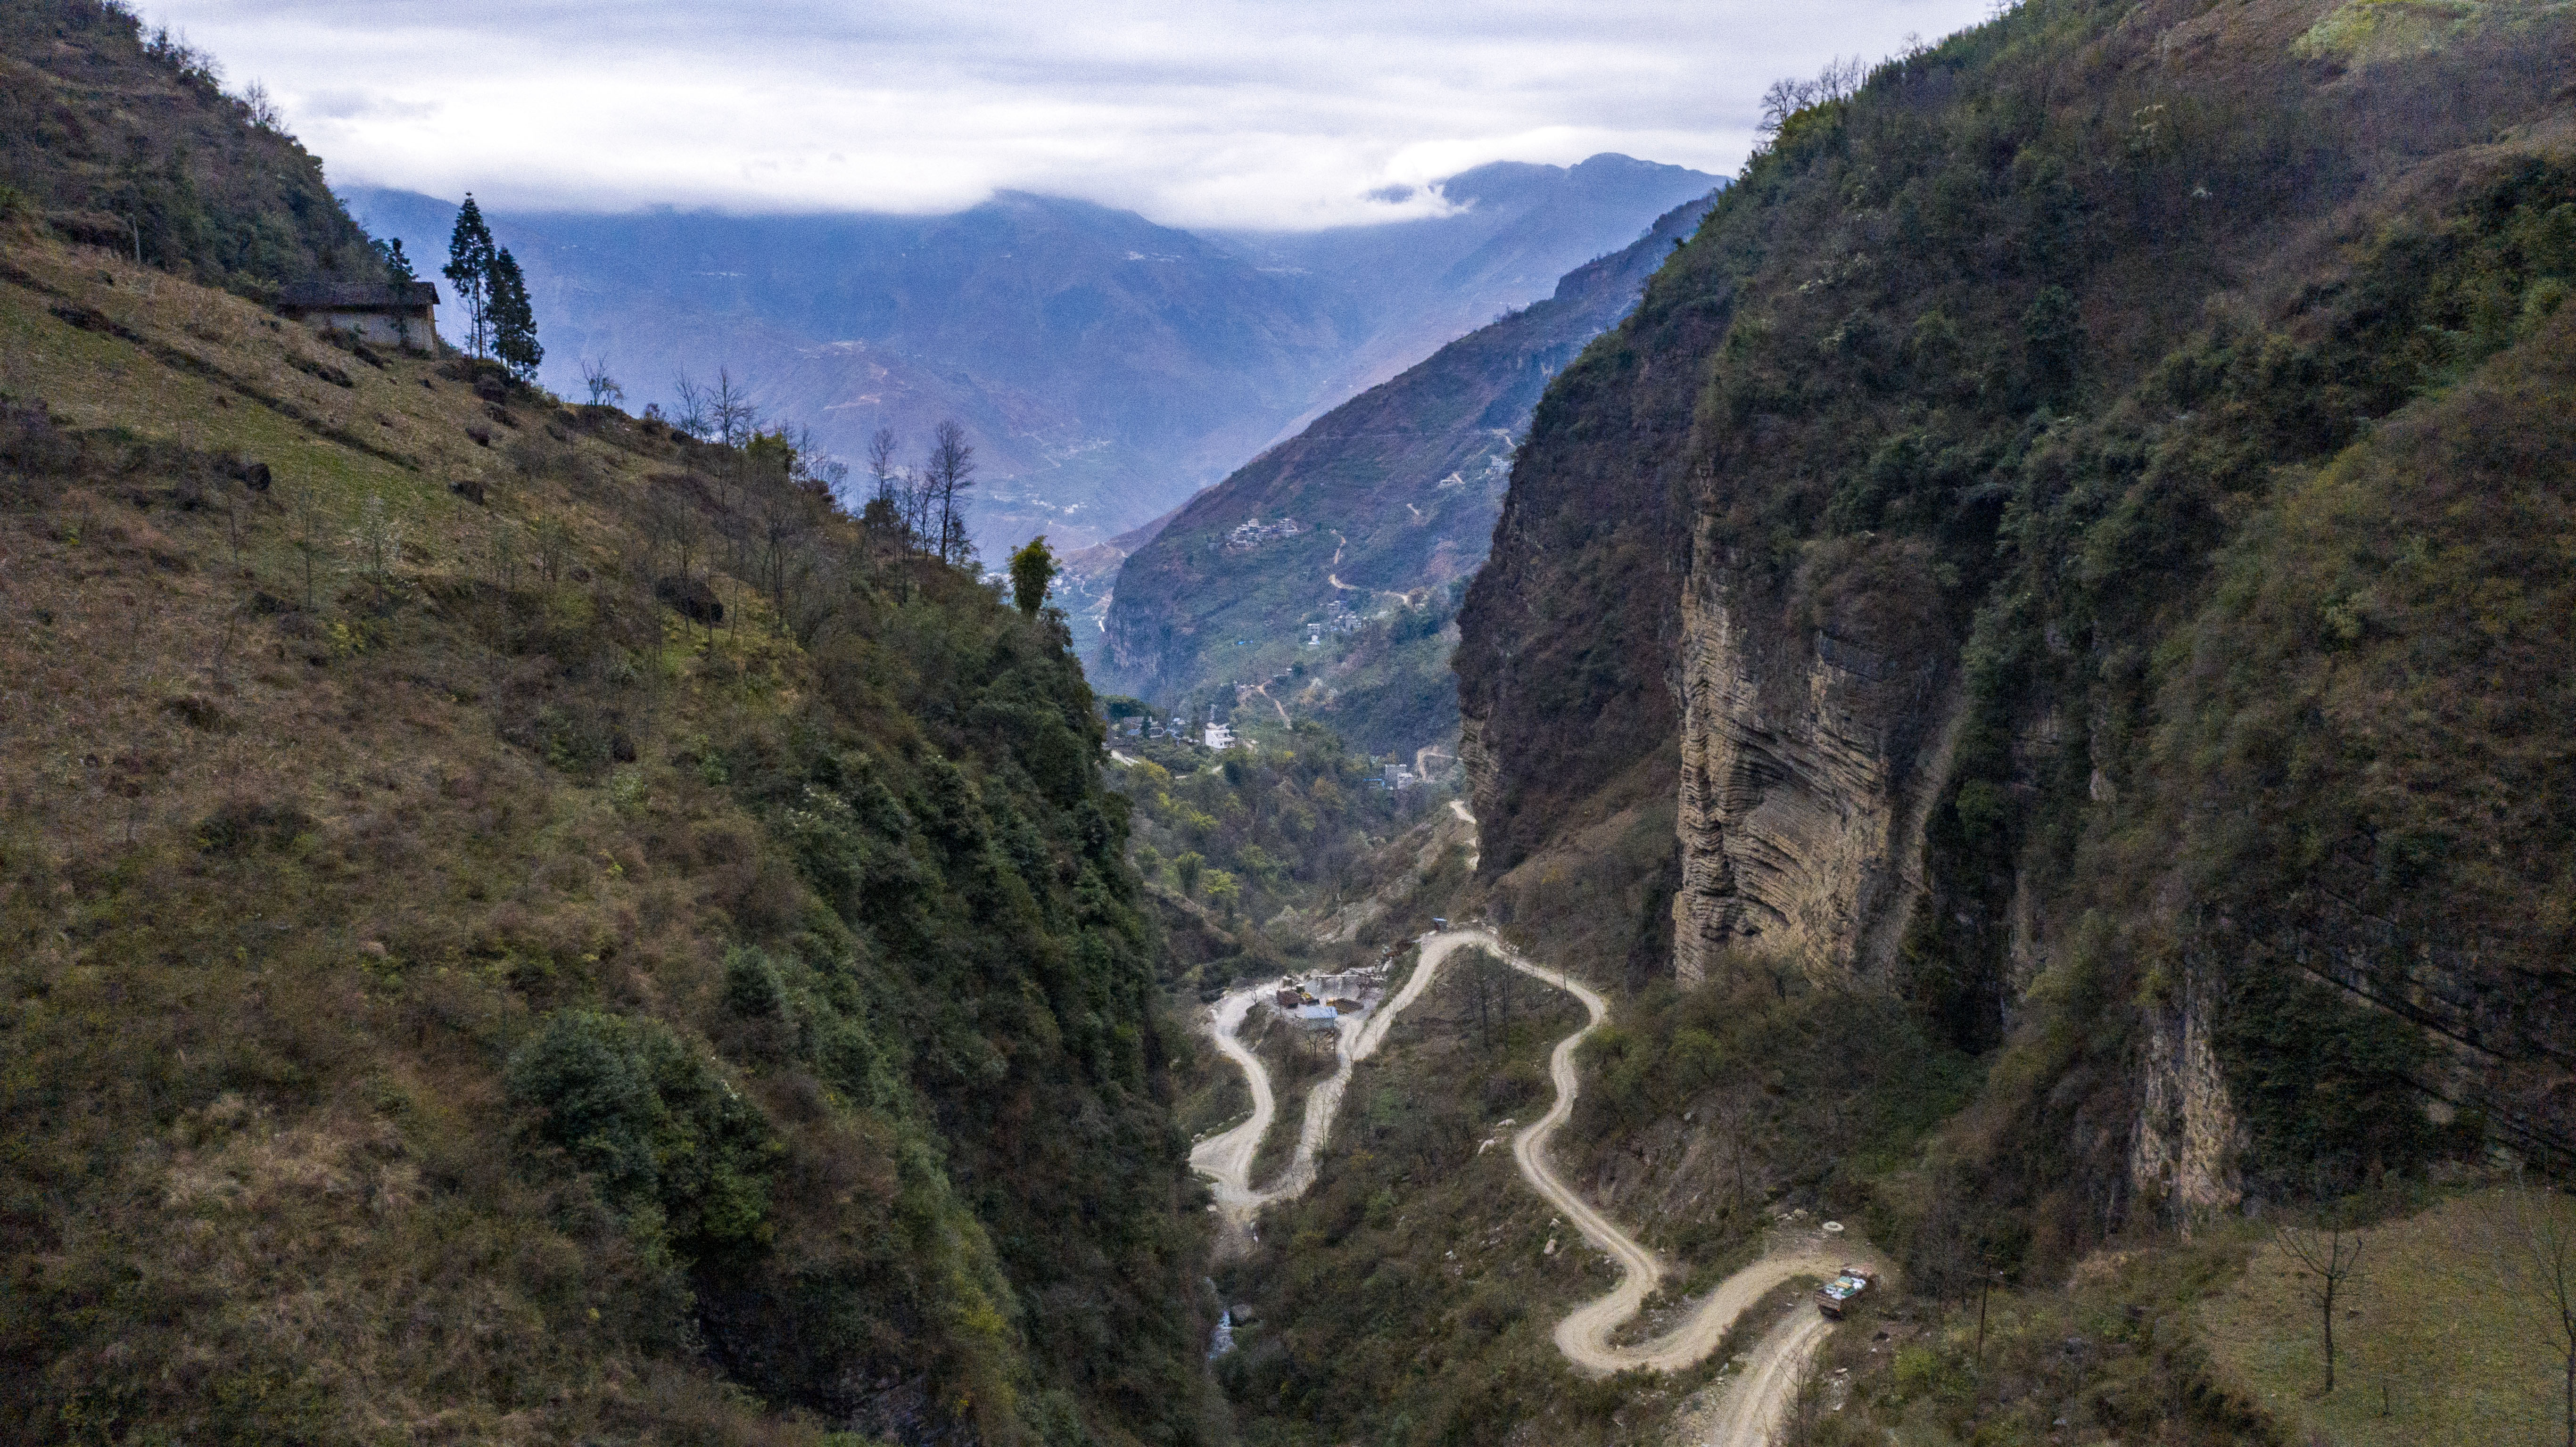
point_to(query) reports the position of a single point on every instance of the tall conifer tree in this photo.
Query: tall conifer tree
(514, 320)
(469, 265)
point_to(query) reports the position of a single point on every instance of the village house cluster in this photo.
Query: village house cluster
(1319, 1002)
(1338, 619)
(1253, 532)
(1213, 734)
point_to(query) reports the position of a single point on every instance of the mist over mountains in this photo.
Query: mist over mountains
(1105, 367)
(1396, 493)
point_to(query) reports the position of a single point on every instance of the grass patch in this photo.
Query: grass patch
(2432, 1346)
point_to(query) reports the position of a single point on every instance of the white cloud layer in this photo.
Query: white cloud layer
(1203, 113)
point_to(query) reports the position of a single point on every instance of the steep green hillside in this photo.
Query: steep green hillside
(521, 927)
(2079, 536)
(127, 140)
(1394, 493)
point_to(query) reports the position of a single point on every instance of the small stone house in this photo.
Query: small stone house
(393, 314)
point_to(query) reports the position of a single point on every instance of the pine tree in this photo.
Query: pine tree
(397, 265)
(469, 266)
(514, 320)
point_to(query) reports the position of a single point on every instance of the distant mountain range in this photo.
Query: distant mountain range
(1104, 367)
(1327, 559)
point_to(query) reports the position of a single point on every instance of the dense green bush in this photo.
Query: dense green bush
(669, 1142)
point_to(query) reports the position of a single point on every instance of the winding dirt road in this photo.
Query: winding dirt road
(1226, 1160)
(1584, 1335)
(1750, 1412)
(1752, 1406)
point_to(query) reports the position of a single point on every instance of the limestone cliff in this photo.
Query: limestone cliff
(1803, 783)
(2183, 1160)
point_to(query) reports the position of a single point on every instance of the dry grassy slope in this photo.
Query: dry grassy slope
(289, 875)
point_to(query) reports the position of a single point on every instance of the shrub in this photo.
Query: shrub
(751, 988)
(239, 826)
(665, 1140)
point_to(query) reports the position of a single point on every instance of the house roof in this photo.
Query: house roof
(344, 296)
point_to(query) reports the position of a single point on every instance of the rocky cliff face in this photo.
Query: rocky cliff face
(2038, 522)
(1804, 779)
(2183, 1160)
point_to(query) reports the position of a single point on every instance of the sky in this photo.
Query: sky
(1197, 113)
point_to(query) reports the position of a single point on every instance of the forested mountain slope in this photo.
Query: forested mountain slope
(1396, 492)
(522, 927)
(127, 140)
(2078, 542)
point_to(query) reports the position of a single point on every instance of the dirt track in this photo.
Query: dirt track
(1226, 1160)
(1752, 1407)
(1584, 1335)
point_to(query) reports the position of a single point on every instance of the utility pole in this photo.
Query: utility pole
(1985, 1284)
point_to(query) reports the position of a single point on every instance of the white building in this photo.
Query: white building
(1219, 736)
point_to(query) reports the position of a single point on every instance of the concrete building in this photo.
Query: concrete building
(393, 314)
(1219, 736)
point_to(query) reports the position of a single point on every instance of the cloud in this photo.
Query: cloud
(1195, 112)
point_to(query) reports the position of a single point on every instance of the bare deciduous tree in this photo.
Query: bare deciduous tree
(1786, 97)
(604, 391)
(554, 546)
(1807, 1405)
(692, 417)
(2535, 1237)
(1732, 1122)
(2329, 1258)
(311, 534)
(377, 541)
(730, 411)
(884, 471)
(948, 472)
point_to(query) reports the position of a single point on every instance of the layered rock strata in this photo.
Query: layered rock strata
(1804, 783)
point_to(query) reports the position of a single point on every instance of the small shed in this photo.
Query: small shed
(394, 314)
(1317, 1017)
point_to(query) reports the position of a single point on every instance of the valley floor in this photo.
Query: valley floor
(1750, 1406)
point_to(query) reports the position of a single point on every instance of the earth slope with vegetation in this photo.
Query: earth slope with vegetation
(521, 926)
(125, 139)
(2074, 550)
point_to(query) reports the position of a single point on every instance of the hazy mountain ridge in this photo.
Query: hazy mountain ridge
(1518, 230)
(1106, 367)
(1397, 491)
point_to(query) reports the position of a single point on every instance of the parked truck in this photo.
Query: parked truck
(1848, 1286)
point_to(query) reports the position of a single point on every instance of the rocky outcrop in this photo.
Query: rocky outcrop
(1804, 781)
(2183, 1159)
